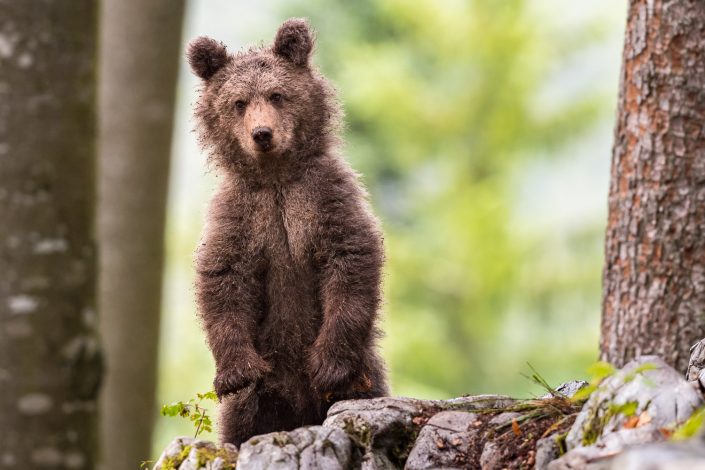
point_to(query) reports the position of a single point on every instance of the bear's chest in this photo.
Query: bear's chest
(286, 220)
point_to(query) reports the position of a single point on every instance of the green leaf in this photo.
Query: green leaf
(584, 393)
(193, 411)
(690, 427)
(646, 367)
(626, 409)
(600, 370)
(173, 410)
(208, 396)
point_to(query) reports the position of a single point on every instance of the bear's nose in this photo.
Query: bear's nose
(262, 137)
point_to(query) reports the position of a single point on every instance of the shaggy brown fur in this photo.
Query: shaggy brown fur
(288, 271)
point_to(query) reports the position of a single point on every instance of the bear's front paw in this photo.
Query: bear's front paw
(330, 374)
(240, 375)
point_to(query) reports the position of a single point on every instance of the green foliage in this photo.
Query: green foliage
(647, 366)
(690, 427)
(193, 411)
(596, 423)
(627, 409)
(598, 371)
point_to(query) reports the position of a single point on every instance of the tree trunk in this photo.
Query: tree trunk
(140, 44)
(50, 363)
(654, 278)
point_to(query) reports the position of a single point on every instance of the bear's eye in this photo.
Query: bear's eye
(275, 98)
(240, 105)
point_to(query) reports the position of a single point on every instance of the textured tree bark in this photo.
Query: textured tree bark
(140, 44)
(654, 277)
(50, 362)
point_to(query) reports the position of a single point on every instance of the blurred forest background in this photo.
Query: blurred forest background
(483, 131)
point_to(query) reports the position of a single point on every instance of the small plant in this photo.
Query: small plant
(690, 427)
(536, 378)
(194, 411)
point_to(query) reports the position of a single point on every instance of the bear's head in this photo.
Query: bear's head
(266, 106)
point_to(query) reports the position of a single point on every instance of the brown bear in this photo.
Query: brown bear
(289, 266)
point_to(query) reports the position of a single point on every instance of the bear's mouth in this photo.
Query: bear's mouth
(264, 148)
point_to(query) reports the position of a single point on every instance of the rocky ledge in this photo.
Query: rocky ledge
(645, 415)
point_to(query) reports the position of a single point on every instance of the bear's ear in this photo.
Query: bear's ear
(206, 56)
(294, 41)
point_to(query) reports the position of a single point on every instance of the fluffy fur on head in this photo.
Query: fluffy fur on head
(304, 118)
(206, 56)
(294, 41)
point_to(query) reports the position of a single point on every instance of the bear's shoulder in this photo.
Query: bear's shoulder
(334, 178)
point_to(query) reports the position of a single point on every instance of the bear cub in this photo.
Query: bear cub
(289, 265)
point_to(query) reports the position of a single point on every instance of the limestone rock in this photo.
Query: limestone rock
(547, 450)
(313, 447)
(473, 403)
(443, 441)
(491, 455)
(697, 361)
(598, 455)
(569, 389)
(665, 456)
(646, 392)
(173, 452)
(696, 366)
(197, 458)
(187, 453)
(384, 429)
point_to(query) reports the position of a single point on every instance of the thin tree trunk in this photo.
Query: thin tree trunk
(654, 278)
(50, 363)
(140, 44)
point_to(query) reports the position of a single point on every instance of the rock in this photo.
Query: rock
(569, 389)
(491, 456)
(597, 456)
(187, 453)
(173, 452)
(201, 452)
(701, 381)
(504, 418)
(487, 437)
(629, 408)
(443, 441)
(313, 447)
(646, 392)
(473, 403)
(664, 456)
(382, 428)
(368, 434)
(696, 366)
(697, 361)
(547, 450)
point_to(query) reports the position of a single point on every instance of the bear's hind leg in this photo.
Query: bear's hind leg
(275, 414)
(238, 415)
